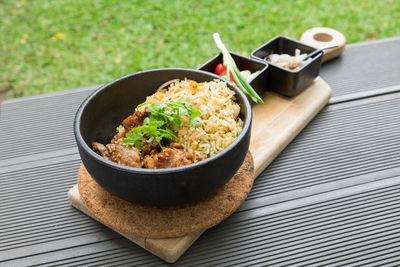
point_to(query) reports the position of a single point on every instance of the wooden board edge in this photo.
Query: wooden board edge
(171, 249)
(167, 249)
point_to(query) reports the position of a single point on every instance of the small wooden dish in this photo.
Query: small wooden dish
(321, 37)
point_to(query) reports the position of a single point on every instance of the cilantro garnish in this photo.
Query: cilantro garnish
(162, 116)
(170, 112)
(152, 130)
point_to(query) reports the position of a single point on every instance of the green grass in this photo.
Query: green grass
(57, 45)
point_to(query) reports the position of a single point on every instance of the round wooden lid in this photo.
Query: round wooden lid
(152, 222)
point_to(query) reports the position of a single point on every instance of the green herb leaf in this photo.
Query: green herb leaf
(162, 116)
(151, 130)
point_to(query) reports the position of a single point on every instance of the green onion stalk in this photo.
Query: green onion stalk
(232, 68)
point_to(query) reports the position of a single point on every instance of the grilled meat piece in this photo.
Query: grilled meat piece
(135, 120)
(101, 150)
(151, 148)
(177, 145)
(170, 157)
(124, 155)
(118, 137)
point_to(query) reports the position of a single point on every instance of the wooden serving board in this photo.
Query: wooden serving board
(275, 124)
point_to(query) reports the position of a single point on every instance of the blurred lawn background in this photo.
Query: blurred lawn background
(57, 45)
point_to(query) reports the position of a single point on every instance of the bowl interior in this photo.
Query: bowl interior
(103, 111)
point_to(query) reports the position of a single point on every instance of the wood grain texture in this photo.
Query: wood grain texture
(275, 124)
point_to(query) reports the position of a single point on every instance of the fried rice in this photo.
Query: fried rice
(220, 122)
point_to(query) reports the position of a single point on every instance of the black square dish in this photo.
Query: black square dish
(258, 82)
(285, 81)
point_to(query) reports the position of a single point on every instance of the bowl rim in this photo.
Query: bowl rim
(122, 168)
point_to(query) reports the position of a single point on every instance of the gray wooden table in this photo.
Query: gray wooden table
(332, 197)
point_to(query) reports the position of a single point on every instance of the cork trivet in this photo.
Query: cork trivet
(153, 222)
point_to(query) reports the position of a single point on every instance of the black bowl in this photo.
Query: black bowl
(284, 81)
(100, 114)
